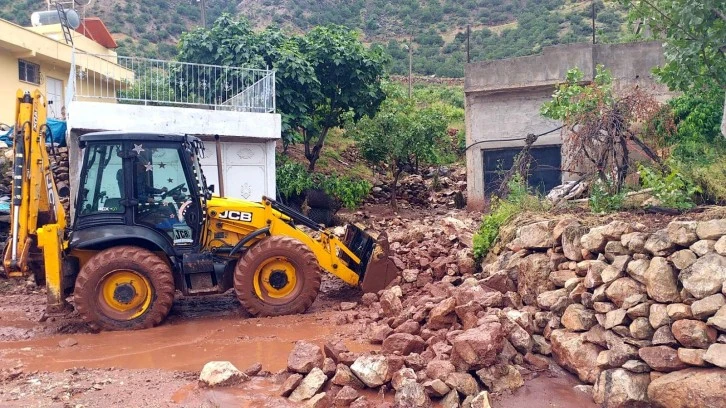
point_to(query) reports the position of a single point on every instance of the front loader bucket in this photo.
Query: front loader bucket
(376, 269)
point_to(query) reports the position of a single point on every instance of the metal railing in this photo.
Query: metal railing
(145, 81)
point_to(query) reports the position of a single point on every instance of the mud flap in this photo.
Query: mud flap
(380, 270)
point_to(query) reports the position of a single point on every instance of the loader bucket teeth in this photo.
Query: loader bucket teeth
(380, 270)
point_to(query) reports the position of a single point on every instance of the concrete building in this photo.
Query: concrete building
(91, 87)
(39, 57)
(503, 99)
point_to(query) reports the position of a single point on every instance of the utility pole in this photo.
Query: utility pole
(410, 65)
(468, 38)
(593, 21)
(202, 4)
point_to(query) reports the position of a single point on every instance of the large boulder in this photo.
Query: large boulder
(403, 344)
(304, 357)
(661, 358)
(572, 352)
(413, 395)
(621, 388)
(501, 378)
(571, 242)
(578, 318)
(533, 277)
(372, 370)
(693, 333)
(713, 229)
(690, 388)
(706, 276)
(623, 288)
(478, 347)
(220, 374)
(310, 385)
(659, 244)
(661, 281)
(537, 235)
(682, 233)
(442, 315)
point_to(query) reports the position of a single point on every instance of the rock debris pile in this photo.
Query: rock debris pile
(438, 187)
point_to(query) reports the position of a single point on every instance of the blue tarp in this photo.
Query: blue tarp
(57, 134)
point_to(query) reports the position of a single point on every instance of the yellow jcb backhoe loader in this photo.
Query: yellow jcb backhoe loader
(146, 224)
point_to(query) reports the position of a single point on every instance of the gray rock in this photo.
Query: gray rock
(683, 259)
(708, 306)
(636, 366)
(537, 235)
(571, 242)
(463, 382)
(578, 318)
(310, 385)
(703, 247)
(658, 244)
(622, 288)
(594, 241)
(716, 355)
(658, 315)
(373, 370)
(719, 319)
(221, 374)
(481, 401)
(621, 388)
(451, 400)
(682, 233)
(713, 229)
(706, 276)
(500, 378)
(678, 311)
(661, 281)
(694, 387)
(304, 357)
(634, 241)
(720, 246)
(664, 337)
(641, 329)
(615, 318)
(412, 394)
(610, 273)
(636, 269)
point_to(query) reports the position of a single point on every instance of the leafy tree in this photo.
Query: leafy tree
(401, 135)
(322, 78)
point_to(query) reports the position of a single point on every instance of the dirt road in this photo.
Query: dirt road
(60, 363)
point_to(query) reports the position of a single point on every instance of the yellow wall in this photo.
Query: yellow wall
(43, 46)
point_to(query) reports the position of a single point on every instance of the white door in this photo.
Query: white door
(244, 168)
(54, 95)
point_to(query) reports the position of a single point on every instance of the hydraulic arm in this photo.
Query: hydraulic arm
(38, 220)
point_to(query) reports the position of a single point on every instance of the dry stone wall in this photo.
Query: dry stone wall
(639, 315)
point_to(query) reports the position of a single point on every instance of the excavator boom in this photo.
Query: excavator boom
(38, 219)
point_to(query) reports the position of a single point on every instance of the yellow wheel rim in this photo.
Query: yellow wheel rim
(125, 294)
(275, 279)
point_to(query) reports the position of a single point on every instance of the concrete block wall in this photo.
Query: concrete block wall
(503, 97)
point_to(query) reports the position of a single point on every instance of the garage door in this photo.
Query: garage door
(544, 174)
(243, 168)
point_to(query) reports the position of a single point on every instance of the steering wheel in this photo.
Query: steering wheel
(174, 191)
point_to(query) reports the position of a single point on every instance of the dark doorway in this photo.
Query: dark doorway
(544, 174)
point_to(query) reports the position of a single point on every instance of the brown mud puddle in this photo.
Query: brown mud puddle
(184, 345)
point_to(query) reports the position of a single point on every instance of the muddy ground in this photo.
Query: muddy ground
(60, 363)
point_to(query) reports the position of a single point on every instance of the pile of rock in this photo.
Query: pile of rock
(334, 376)
(432, 248)
(437, 187)
(640, 315)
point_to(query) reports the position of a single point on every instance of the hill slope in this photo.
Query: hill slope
(500, 28)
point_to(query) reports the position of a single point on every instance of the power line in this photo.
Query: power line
(529, 136)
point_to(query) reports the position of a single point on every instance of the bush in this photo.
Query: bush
(601, 199)
(672, 189)
(520, 198)
(293, 180)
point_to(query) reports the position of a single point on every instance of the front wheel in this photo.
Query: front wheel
(278, 276)
(124, 288)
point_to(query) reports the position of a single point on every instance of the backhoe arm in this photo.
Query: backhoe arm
(38, 219)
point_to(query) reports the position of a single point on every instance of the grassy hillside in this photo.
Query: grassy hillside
(500, 28)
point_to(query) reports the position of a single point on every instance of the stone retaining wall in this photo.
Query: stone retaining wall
(641, 316)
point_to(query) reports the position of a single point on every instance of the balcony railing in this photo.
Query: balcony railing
(145, 81)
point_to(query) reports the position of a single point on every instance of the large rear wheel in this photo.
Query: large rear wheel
(278, 276)
(124, 288)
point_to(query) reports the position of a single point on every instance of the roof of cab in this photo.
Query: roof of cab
(108, 136)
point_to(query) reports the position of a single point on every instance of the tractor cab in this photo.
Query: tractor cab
(141, 185)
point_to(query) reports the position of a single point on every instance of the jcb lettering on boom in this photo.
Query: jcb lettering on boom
(236, 215)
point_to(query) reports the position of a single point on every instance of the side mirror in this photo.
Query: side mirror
(211, 188)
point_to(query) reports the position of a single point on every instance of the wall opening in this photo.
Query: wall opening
(545, 173)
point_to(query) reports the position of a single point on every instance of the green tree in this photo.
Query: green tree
(401, 135)
(322, 78)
